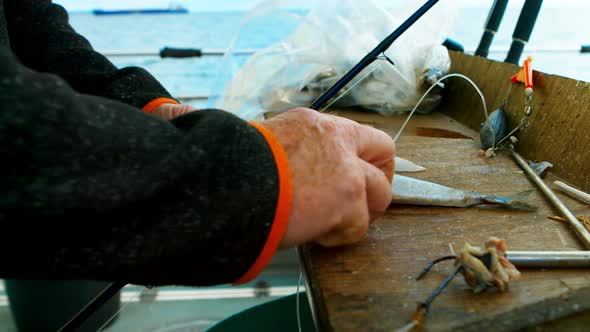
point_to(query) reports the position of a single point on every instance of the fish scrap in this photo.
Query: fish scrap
(404, 165)
(585, 221)
(487, 267)
(482, 268)
(541, 168)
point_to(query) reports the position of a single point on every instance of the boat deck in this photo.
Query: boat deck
(372, 286)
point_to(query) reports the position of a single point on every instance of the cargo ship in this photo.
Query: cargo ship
(177, 9)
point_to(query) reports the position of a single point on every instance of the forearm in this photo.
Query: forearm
(95, 190)
(42, 39)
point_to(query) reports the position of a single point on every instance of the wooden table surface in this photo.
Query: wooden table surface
(371, 286)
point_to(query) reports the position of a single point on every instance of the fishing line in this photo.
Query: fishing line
(477, 89)
(351, 87)
(485, 110)
(298, 310)
(131, 299)
(483, 101)
(93, 306)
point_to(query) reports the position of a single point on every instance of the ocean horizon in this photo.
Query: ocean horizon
(561, 29)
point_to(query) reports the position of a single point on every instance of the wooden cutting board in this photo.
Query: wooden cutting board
(371, 286)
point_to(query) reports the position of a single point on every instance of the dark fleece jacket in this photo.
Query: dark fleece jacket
(92, 188)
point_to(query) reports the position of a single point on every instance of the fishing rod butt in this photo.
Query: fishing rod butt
(492, 24)
(483, 49)
(515, 52)
(524, 29)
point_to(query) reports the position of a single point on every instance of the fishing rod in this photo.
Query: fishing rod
(492, 25)
(483, 48)
(524, 28)
(111, 290)
(103, 297)
(372, 56)
(448, 43)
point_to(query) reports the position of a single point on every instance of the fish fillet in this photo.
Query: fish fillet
(404, 165)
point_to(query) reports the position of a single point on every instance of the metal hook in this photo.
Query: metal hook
(388, 59)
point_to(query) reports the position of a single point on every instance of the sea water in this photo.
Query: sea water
(556, 28)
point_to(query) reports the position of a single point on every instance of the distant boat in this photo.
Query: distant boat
(170, 10)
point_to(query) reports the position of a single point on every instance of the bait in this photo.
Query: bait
(406, 190)
(404, 165)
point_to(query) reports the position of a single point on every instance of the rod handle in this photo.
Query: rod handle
(493, 23)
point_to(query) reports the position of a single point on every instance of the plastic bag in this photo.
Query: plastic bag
(329, 40)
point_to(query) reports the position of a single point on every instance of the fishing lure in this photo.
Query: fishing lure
(495, 127)
(493, 134)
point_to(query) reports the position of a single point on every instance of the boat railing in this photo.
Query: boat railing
(187, 53)
(172, 52)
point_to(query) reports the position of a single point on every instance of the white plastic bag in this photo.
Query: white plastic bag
(331, 39)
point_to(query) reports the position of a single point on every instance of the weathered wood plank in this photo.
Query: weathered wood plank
(561, 112)
(371, 286)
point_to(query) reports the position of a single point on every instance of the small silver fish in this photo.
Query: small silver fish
(406, 190)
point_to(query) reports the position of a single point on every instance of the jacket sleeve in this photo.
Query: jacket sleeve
(93, 189)
(42, 38)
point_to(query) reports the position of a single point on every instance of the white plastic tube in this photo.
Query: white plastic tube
(575, 193)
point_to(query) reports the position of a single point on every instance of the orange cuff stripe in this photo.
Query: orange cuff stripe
(152, 105)
(282, 212)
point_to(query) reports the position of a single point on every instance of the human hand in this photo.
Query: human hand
(171, 111)
(341, 176)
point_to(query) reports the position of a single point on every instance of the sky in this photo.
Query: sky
(221, 5)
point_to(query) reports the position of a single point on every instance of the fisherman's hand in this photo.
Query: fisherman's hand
(341, 176)
(171, 111)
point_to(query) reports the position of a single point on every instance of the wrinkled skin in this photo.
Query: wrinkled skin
(171, 111)
(341, 176)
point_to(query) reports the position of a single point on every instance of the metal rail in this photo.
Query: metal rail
(192, 53)
(171, 52)
(575, 224)
(549, 259)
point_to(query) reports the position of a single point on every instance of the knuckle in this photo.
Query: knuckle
(352, 130)
(304, 113)
(355, 187)
(329, 127)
